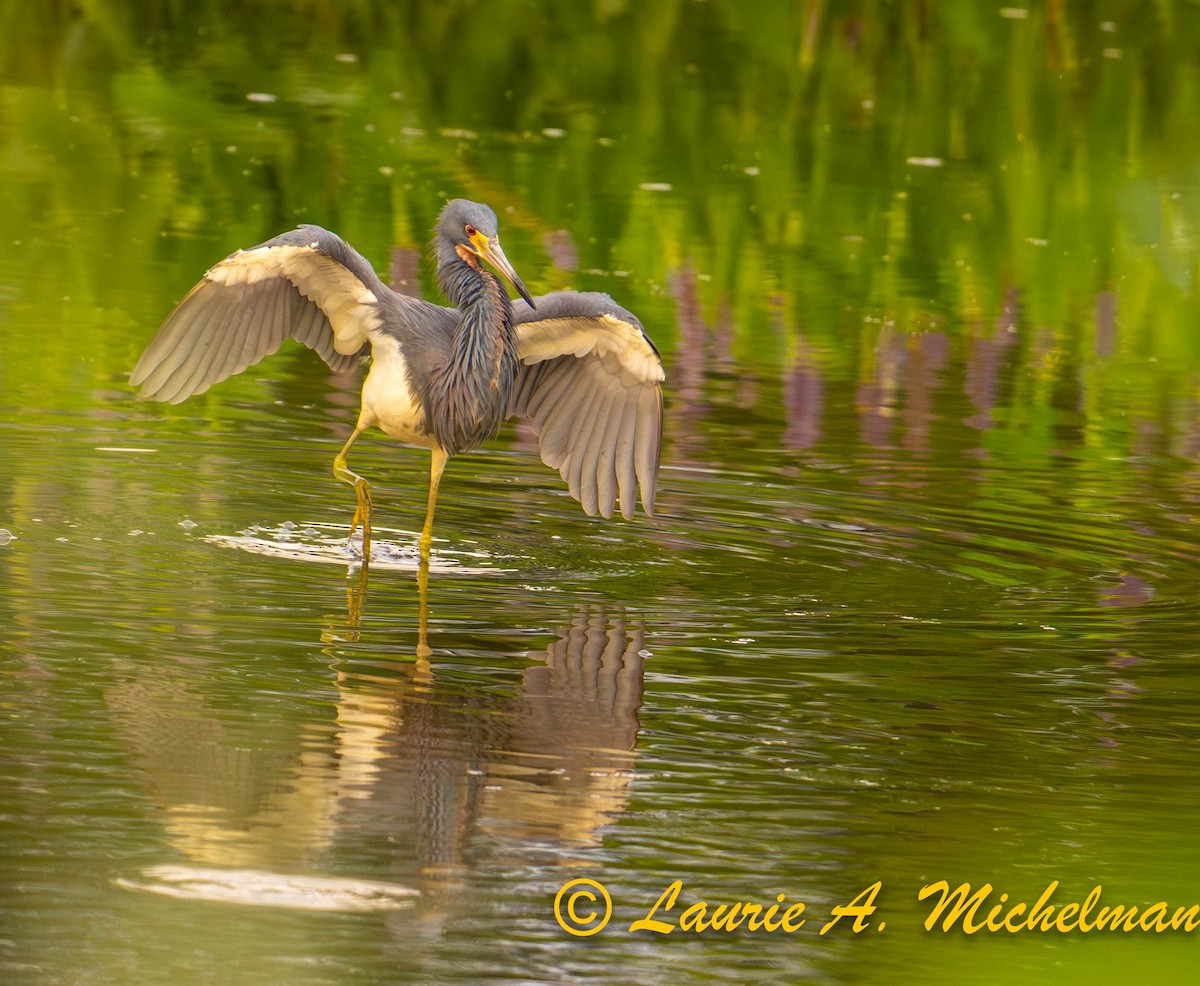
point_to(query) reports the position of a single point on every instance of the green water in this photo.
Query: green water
(921, 600)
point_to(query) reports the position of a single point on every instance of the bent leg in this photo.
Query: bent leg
(362, 492)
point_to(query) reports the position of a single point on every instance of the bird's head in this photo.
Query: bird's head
(471, 227)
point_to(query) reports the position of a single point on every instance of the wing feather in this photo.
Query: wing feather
(648, 447)
(554, 442)
(589, 455)
(604, 334)
(245, 323)
(591, 386)
(563, 431)
(553, 389)
(556, 418)
(176, 345)
(189, 339)
(585, 416)
(606, 457)
(623, 461)
(274, 311)
(309, 285)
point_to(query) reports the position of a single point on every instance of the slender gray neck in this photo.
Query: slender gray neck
(461, 282)
(470, 393)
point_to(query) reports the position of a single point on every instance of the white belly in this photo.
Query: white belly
(387, 400)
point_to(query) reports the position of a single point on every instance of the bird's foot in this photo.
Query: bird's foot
(362, 515)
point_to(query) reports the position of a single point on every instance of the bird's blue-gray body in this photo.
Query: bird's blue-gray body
(578, 366)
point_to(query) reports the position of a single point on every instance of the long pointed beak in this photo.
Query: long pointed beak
(490, 251)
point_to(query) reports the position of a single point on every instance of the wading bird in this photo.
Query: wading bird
(577, 366)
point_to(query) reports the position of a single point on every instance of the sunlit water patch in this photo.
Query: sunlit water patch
(261, 889)
(391, 549)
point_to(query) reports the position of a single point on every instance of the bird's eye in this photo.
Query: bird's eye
(471, 230)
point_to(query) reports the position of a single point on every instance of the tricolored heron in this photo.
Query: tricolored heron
(577, 366)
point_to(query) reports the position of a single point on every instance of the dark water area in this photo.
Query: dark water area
(920, 600)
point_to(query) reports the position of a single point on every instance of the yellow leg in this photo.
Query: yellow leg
(436, 467)
(362, 493)
(423, 649)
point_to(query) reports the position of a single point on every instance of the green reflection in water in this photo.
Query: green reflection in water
(922, 601)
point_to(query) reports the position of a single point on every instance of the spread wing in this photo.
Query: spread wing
(591, 385)
(307, 284)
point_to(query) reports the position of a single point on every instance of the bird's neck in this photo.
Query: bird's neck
(464, 280)
(475, 382)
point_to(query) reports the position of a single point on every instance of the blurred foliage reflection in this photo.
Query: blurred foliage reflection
(826, 161)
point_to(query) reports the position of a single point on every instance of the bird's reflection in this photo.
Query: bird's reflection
(581, 703)
(417, 776)
(433, 765)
